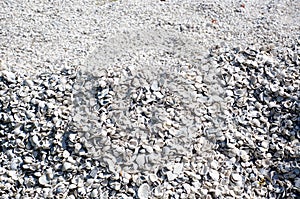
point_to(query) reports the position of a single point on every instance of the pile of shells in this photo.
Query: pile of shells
(160, 99)
(148, 112)
(239, 128)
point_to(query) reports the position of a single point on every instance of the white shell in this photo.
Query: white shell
(66, 166)
(35, 140)
(43, 180)
(111, 165)
(153, 177)
(13, 174)
(214, 174)
(66, 154)
(154, 85)
(236, 178)
(214, 164)
(94, 193)
(140, 159)
(171, 176)
(158, 94)
(178, 168)
(143, 191)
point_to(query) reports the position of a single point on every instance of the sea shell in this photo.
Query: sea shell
(140, 159)
(43, 180)
(154, 86)
(133, 143)
(115, 185)
(236, 178)
(178, 168)
(171, 176)
(66, 166)
(214, 174)
(94, 193)
(144, 191)
(153, 177)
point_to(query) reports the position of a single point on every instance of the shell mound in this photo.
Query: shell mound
(141, 96)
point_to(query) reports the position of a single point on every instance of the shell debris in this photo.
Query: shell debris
(119, 99)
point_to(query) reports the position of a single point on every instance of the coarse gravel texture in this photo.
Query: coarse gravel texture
(154, 99)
